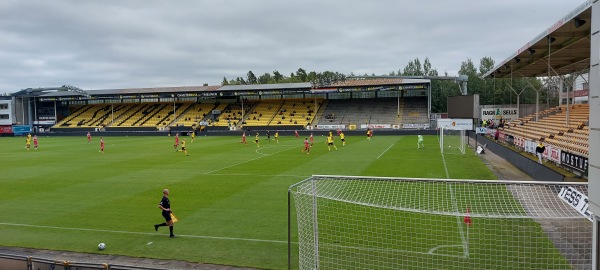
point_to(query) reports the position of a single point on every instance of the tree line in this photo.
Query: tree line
(491, 91)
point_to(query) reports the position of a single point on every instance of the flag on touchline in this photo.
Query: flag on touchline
(467, 218)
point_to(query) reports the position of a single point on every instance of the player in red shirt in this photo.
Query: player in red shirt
(89, 136)
(35, 142)
(101, 145)
(306, 146)
(176, 141)
(312, 140)
(244, 138)
(296, 134)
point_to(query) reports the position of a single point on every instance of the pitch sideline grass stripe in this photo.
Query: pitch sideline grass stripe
(253, 159)
(386, 150)
(145, 233)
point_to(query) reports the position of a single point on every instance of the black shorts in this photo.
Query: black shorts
(330, 143)
(166, 215)
(343, 140)
(182, 148)
(256, 141)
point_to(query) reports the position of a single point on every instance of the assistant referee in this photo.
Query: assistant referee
(165, 206)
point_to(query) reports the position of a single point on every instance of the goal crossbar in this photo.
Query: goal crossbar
(354, 221)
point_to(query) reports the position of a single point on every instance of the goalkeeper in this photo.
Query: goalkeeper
(420, 141)
(165, 206)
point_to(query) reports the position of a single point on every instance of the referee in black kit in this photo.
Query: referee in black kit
(165, 206)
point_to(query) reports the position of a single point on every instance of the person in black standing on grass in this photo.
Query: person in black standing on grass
(165, 206)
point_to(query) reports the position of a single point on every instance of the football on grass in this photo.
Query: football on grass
(101, 246)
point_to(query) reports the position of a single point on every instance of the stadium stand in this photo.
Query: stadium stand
(130, 117)
(232, 114)
(551, 127)
(300, 112)
(164, 116)
(195, 113)
(96, 115)
(411, 110)
(218, 107)
(263, 113)
(76, 112)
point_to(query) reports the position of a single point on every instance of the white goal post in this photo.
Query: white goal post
(452, 141)
(360, 222)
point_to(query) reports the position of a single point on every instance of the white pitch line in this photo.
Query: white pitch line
(145, 233)
(432, 250)
(267, 175)
(389, 250)
(264, 155)
(386, 150)
(458, 221)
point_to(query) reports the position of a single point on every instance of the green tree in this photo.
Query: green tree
(277, 76)
(265, 78)
(240, 80)
(301, 73)
(224, 82)
(251, 78)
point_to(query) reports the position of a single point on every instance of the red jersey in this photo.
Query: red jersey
(311, 138)
(176, 140)
(306, 143)
(35, 141)
(102, 143)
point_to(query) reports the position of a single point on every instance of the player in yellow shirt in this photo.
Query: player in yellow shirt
(193, 136)
(28, 142)
(330, 143)
(183, 147)
(277, 136)
(343, 138)
(256, 140)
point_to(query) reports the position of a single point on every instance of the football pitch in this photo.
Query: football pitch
(230, 198)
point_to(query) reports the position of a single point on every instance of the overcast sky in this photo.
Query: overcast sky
(128, 44)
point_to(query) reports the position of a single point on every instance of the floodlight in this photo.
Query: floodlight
(531, 51)
(551, 39)
(517, 60)
(579, 22)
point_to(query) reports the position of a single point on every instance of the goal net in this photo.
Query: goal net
(348, 222)
(452, 141)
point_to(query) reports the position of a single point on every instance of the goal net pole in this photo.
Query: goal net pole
(362, 222)
(451, 140)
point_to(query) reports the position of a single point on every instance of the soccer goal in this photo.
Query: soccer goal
(452, 141)
(351, 222)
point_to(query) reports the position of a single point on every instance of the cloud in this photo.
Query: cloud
(121, 44)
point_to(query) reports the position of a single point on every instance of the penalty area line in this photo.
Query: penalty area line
(246, 161)
(146, 233)
(386, 150)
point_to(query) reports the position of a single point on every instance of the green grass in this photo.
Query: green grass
(231, 199)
